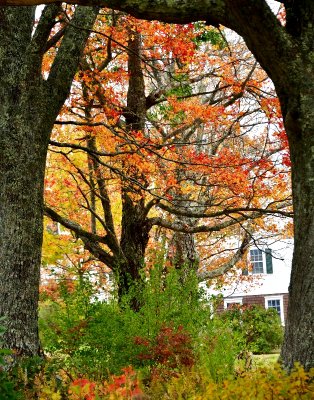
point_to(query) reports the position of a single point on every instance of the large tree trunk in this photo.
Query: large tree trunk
(28, 108)
(299, 122)
(23, 150)
(22, 168)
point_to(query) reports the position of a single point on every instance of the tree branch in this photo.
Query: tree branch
(204, 274)
(73, 226)
(91, 241)
(67, 59)
(227, 212)
(46, 22)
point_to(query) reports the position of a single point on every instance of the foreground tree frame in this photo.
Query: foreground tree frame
(287, 55)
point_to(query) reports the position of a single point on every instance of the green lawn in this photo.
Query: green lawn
(265, 359)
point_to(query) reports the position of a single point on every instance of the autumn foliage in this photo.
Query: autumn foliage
(159, 136)
(169, 352)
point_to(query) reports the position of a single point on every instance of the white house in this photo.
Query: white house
(269, 266)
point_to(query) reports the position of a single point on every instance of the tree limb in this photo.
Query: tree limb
(204, 274)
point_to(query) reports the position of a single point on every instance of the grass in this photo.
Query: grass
(265, 360)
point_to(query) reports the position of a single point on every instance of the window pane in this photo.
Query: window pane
(257, 261)
(274, 304)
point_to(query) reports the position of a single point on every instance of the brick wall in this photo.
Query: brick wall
(256, 300)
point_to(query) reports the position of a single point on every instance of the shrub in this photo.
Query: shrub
(124, 386)
(167, 353)
(218, 350)
(260, 328)
(261, 384)
(98, 338)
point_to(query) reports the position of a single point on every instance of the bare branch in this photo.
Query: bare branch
(204, 274)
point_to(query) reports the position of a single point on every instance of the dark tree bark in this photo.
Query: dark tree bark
(298, 112)
(135, 225)
(29, 106)
(134, 240)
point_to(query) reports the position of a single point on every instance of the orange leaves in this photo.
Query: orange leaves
(161, 39)
(271, 107)
(124, 386)
(212, 129)
(193, 109)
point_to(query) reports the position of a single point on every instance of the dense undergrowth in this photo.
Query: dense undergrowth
(175, 347)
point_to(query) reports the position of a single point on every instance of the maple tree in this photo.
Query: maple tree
(169, 158)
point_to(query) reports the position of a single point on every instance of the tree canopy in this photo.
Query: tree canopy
(189, 160)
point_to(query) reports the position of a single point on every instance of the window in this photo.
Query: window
(261, 260)
(257, 261)
(275, 302)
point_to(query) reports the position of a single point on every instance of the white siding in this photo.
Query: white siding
(265, 284)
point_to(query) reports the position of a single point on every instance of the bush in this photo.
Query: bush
(261, 384)
(98, 338)
(260, 328)
(218, 350)
(169, 352)
(175, 347)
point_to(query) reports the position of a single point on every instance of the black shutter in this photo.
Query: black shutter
(269, 261)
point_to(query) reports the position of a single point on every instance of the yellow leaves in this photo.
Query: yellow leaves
(46, 389)
(259, 384)
(48, 394)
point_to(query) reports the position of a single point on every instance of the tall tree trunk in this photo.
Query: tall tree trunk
(134, 240)
(23, 150)
(22, 168)
(299, 122)
(183, 253)
(135, 226)
(28, 108)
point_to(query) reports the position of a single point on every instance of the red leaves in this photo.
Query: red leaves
(124, 386)
(170, 350)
